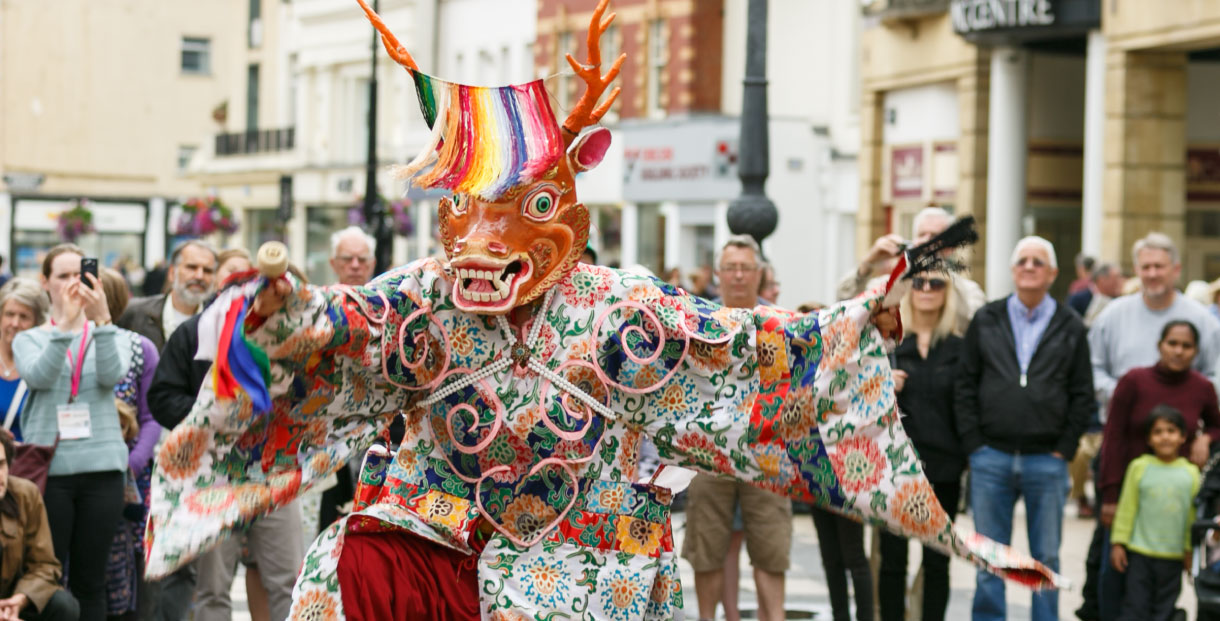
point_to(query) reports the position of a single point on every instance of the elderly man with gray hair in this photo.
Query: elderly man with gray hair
(353, 256)
(928, 223)
(1024, 393)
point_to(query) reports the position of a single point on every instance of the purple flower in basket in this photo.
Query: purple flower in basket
(400, 217)
(75, 222)
(204, 216)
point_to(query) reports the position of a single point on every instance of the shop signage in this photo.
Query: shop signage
(41, 215)
(978, 15)
(1016, 21)
(695, 160)
(906, 172)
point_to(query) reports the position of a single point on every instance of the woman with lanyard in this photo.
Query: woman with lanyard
(22, 306)
(72, 365)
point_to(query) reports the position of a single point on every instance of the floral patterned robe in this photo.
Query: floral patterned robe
(802, 405)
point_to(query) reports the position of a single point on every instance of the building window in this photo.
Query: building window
(562, 48)
(196, 55)
(658, 56)
(262, 226)
(252, 97)
(255, 29)
(610, 50)
(185, 153)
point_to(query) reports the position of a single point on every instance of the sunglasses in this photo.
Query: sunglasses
(928, 284)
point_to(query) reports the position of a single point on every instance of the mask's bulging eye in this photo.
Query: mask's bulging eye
(458, 205)
(540, 204)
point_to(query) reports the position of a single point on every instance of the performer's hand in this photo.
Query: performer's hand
(1107, 513)
(1118, 558)
(886, 320)
(900, 379)
(272, 297)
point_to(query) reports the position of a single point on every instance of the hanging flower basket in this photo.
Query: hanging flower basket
(399, 213)
(75, 222)
(201, 217)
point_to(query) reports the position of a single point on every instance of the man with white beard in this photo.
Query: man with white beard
(192, 276)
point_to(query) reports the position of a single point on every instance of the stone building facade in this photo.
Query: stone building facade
(1089, 122)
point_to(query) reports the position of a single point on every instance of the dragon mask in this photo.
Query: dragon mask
(513, 227)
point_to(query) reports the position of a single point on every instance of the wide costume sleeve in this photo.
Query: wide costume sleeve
(801, 405)
(335, 371)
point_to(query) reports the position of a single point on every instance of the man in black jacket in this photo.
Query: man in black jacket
(1024, 395)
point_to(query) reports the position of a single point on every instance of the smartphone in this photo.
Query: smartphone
(88, 265)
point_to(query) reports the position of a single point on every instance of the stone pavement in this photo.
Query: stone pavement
(806, 583)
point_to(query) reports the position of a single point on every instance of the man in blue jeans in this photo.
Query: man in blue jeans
(1024, 395)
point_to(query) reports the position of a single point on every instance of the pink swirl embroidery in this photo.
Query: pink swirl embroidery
(421, 347)
(571, 407)
(658, 347)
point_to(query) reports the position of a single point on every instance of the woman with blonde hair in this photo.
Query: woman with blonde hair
(924, 373)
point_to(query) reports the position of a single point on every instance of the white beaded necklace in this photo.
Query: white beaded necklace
(522, 353)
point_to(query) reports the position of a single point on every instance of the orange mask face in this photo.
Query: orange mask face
(511, 231)
(507, 253)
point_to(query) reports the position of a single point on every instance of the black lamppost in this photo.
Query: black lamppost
(374, 208)
(753, 213)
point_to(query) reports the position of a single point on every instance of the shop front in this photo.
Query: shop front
(120, 235)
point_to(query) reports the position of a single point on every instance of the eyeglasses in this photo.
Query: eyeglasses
(348, 258)
(1034, 262)
(739, 268)
(928, 284)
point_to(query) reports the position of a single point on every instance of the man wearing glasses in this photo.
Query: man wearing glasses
(1023, 398)
(352, 253)
(351, 256)
(714, 505)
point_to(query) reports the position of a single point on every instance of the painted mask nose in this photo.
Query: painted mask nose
(497, 248)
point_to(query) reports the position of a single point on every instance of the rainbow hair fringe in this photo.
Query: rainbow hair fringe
(485, 140)
(240, 363)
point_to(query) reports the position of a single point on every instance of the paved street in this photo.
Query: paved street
(807, 583)
(806, 586)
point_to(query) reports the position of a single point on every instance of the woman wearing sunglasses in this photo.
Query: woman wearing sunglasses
(924, 373)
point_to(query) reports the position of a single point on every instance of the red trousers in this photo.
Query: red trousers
(390, 576)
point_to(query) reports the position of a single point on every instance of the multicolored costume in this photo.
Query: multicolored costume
(530, 430)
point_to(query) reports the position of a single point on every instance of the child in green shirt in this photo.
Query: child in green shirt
(1151, 533)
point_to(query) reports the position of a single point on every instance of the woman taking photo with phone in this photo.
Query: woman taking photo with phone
(71, 365)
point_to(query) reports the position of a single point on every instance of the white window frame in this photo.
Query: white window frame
(198, 45)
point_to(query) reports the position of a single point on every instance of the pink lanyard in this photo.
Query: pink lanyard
(80, 360)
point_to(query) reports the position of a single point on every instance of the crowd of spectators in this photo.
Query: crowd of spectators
(1023, 397)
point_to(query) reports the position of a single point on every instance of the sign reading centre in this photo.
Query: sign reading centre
(982, 15)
